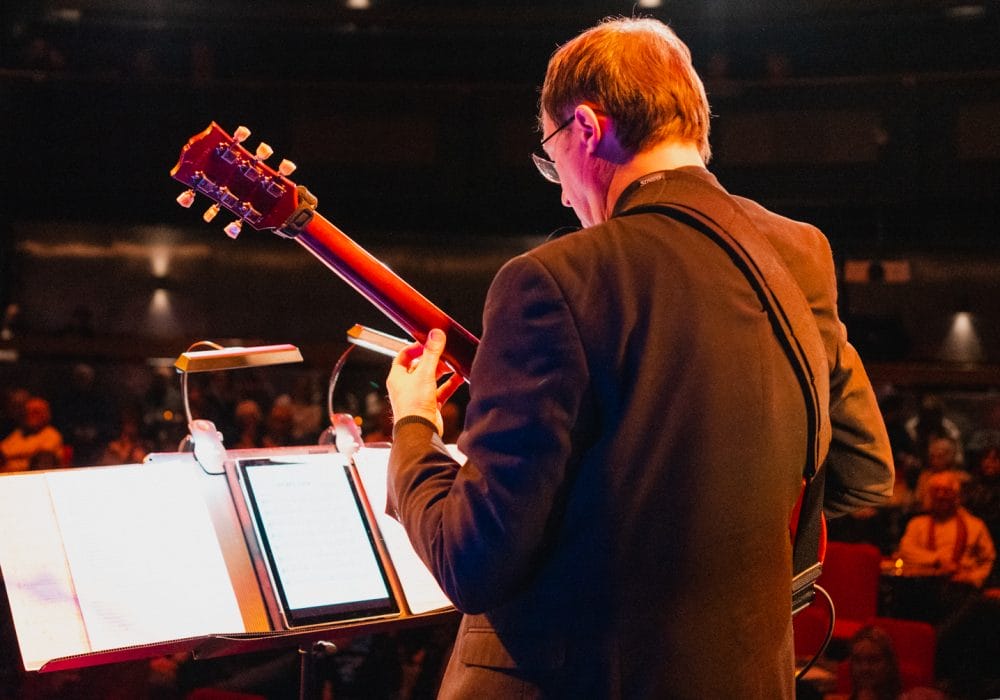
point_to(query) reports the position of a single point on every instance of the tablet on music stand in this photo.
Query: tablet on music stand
(318, 547)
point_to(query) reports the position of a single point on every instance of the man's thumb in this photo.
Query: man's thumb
(435, 341)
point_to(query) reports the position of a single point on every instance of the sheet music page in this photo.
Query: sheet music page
(316, 531)
(144, 555)
(43, 603)
(422, 591)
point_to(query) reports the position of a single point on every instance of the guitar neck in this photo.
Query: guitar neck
(216, 165)
(403, 304)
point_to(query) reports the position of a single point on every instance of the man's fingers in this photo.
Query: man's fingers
(428, 361)
(412, 356)
(449, 387)
(408, 355)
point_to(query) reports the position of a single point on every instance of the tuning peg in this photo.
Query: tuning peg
(234, 228)
(186, 199)
(241, 134)
(263, 151)
(286, 168)
(210, 212)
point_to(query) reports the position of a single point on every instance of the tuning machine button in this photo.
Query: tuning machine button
(211, 212)
(234, 228)
(186, 199)
(286, 168)
(263, 151)
(241, 134)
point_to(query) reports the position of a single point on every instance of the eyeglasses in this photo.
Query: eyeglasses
(545, 166)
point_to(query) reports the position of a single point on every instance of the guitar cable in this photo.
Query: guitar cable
(829, 633)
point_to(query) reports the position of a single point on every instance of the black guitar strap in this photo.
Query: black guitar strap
(795, 328)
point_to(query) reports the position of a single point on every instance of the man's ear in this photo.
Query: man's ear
(597, 130)
(591, 127)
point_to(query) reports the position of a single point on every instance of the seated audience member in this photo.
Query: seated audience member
(35, 443)
(905, 454)
(249, 423)
(941, 456)
(128, 447)
(967, 652)
(982, 498)
(307, 413)
(949, 538)
(931, 422)
(12, 409)
(278, 426)
(84, 413)
(874, 670)
(986, 432)
(378, 428)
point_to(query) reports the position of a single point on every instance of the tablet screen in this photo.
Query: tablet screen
(319, 548)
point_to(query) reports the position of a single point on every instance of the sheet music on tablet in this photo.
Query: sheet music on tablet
(321, 556)
(423, 594)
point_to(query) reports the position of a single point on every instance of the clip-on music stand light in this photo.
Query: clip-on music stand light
(202, 434)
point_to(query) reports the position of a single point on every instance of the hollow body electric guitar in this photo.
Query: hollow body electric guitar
(215, 164)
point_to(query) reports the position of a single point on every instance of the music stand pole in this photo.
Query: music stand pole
(307, 666)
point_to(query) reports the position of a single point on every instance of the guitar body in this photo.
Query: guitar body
(216, 165)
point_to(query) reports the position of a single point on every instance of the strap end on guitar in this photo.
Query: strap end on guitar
(303, 214)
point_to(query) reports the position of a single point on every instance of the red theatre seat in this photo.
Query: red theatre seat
(851, 577)
(915, 644)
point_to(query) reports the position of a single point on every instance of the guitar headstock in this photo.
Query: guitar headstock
(215, 164)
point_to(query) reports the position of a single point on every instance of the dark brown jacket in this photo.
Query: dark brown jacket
(635, 442)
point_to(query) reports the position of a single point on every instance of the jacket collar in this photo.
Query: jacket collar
(660, 185)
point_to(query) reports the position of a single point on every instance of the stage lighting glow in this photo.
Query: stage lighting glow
(962, 343)
(159, 261)
(161, 321)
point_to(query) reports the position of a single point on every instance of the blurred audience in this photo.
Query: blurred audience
(377, 426)
(84, 413)
(968, 651)
(896, 411)
(949, 538)
(308, 414)
(249, 425)
(874, 670)
(931, 422)
(941, 456)
(129, 446)
(982, 498)
(12, 408)
(948, 553)
(34, 443)
(163, 411)
(278, 426)
(955, 543)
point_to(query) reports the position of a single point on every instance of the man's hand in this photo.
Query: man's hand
(412, 382)
(946, 567)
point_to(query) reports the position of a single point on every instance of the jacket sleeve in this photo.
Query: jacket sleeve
(859, 464)
(481, 527)
(859, 469)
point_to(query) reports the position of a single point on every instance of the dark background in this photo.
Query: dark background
(412, 122)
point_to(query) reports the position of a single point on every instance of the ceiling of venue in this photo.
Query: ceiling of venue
(412, 121)
(871, 116)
